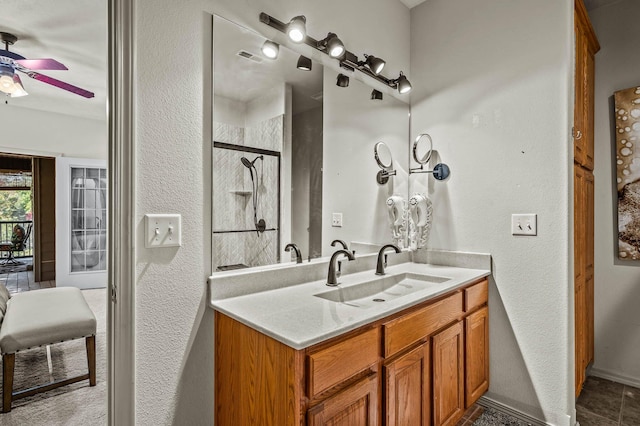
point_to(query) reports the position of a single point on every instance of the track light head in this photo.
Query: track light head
(343, 80)
(376, 95)
(297, 29)
(332, 45)
(304, 63)
(270, 49)
(374, 64)
(403, 84)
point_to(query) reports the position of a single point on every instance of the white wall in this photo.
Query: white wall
(229, 111)
(48, 133)
(617, 289)
(269, 105)
(506, 66)
(352, 125)
(173, 325)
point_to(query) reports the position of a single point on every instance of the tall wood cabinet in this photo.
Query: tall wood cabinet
(586, 46)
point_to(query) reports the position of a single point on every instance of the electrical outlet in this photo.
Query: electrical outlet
(336, 220)
(524, 224)
(163, 230)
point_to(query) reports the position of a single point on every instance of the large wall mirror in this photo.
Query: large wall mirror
(290, 149)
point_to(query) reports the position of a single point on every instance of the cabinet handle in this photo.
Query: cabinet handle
(577, 134)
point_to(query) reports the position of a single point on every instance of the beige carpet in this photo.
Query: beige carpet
(76, 404)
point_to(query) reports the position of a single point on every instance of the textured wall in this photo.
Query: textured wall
(492, 85)
(174, 327)
(49, 133)
(617, 293)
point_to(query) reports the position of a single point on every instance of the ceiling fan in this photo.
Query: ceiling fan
(11, 62)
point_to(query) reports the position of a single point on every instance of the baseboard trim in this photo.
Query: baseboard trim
(503, 408)
(604, 374)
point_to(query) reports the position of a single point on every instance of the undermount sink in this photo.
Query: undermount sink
(381, 289)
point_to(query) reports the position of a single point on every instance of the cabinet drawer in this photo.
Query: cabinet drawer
(476, 295)
(335, 364)
(402, 332)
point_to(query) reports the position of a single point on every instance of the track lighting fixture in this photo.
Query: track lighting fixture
(304, 63)
(403, 84)
(376, 95)
(297, 29)
(374, 64)
(333, 46)
(270, 49)
(343, 80)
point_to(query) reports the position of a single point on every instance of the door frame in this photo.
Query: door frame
(121, 248)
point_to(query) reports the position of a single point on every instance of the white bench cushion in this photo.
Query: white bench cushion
(47, 316)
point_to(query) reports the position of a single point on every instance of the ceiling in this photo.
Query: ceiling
(243, 80)
(73, 32)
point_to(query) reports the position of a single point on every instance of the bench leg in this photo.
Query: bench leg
(8, 364)
(91, 359)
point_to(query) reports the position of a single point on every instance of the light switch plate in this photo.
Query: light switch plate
(336, 220)
(163, 230)
(524, 224)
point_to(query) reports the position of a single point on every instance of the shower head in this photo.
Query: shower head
(250, 164)
(246, 162)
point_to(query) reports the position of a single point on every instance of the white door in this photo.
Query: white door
(81, 223)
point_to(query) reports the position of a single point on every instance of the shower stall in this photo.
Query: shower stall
(246, 206)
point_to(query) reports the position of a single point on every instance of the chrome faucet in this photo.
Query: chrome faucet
(382, 264)
(295, 248)
(332, 277)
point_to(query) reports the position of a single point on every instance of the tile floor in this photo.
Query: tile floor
(606, 403)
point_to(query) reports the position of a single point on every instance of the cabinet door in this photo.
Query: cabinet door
(448, 371)
(477, 355)
(407, 388)
(580, 335)
(357, 405)
(579, 139)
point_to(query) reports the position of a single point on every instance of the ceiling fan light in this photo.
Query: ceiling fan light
(270, 49)
(19, 92)
(297, 29)
(6, 79)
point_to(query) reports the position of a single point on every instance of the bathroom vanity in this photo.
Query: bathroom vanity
(410, 347)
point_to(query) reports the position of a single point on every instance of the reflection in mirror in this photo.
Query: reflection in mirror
(267, 152)
(353, 125)
(422, 148)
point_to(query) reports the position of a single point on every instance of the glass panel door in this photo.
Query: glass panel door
(88, 219)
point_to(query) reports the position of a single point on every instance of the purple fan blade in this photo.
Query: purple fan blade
(41, 64)
(61, 84)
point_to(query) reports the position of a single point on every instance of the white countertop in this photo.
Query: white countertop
(296, 317)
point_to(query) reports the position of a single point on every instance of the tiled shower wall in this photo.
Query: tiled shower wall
(232, 195)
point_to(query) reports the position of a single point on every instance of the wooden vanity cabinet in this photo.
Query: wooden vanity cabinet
(407, 385)
(476, 339)
(448, 375)
(411, 368)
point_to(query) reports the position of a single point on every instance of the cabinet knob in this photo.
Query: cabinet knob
(577, 134)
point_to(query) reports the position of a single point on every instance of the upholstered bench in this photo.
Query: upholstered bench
(43, 317)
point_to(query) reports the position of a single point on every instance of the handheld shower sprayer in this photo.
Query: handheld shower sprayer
(259, 224)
